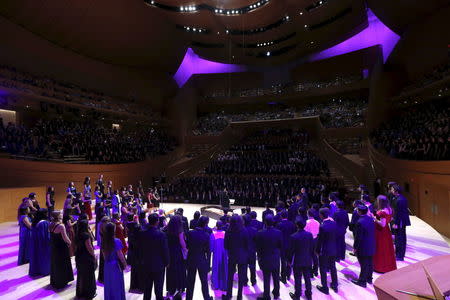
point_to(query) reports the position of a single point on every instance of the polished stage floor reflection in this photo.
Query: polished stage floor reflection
(423, 242)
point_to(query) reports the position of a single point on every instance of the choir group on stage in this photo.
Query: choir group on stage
(134, 235)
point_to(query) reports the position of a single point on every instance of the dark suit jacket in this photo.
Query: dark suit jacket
(185, 224)
(401, 215)
(193, 224)
(326, 240)
(258, 225)
(224, 199)
(305, 200)
(269, 242)
(252, 242)
(301, 248)
(198, 248)
(342, 221)
(237, 246)
(355, 217)
(364, 243)
(293, 211)
(267, 211)
(153, 250)
(287, 228)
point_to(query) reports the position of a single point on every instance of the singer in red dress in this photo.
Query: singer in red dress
(384, 258)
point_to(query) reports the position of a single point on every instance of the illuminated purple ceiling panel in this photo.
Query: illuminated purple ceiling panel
(375, 34)
(193, 64)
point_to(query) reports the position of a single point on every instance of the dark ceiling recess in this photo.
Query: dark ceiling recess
(260, 29)
(277, 52)
(316, 5)
(207, 45)
(215, 10)
(326, 22)
(268, 43)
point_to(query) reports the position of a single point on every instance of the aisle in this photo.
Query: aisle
(423, 242)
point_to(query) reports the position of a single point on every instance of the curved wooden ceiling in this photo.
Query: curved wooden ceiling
(137, 33)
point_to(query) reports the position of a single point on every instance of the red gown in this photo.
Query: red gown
(120, 234)
(384, 258)
(88, 209)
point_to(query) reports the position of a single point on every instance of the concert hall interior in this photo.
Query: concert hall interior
(240, 149)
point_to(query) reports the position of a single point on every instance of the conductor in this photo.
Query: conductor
(224, 200)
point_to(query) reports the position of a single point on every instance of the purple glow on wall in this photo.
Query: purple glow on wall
(193, 64)
(375, 34)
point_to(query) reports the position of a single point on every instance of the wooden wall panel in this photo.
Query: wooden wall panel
(10, 199)
(428, 182)
(23, 174)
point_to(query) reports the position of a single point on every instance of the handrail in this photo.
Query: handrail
(411, 165)
(338, 161)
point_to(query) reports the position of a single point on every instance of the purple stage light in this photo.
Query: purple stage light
(193, 64)
(376, 33)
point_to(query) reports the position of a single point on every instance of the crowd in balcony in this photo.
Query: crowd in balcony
(215, 123)
(29, 83)
(57, 138)
(438, 73)
(421, 132)
(271, 152)
(338, 112)
(268, 165)
(248, 190)
(288, 88)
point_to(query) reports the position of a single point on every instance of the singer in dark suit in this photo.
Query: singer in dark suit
(401, 220)
(197, 260)
(326, 250)
(342, 222)
(287, 228)
(301, 248)
(154, 255)
(236, 243)
(364, 246)
(252, 231)
(269, 243)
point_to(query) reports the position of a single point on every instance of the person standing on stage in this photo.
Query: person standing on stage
(237, 244)
(364, 246)
(252, 231)
(198, 245)
(287, 228)
(326, 250)
(401, 220)
(342, 222)
(384, 258)
(269, 242)
(312, 226)
(301, 248)
(154, 255)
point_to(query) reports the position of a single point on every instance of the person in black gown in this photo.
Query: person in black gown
(133, 228)
(85, 261)
(60, 266)
(176, 271)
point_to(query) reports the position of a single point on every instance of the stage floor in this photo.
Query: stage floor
(423, 242)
